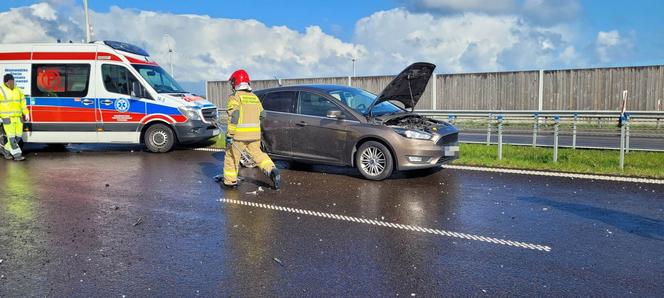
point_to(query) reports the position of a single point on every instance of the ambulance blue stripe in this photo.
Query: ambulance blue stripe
(69, 102)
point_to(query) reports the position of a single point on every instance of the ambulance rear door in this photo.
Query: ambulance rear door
(63, 102)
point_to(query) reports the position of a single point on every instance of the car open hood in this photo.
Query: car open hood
(408, 86)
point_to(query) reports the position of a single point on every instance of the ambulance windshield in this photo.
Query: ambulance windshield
(159, 79)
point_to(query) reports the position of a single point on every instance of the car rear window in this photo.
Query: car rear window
(283, 101)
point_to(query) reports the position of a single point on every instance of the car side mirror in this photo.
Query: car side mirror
(335, 114)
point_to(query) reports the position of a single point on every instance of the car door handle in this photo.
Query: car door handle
(87, 102)
(301, 123)
(107, 102)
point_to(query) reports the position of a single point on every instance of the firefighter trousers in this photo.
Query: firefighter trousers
(233, 155)
(13, 128)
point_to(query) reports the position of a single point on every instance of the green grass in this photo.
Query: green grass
(603, 162)
(219, 142)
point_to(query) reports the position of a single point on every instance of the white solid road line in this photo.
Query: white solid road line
(555, 174)
(392, 225)
(527, 172)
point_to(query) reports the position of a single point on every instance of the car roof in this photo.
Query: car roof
(311, 87)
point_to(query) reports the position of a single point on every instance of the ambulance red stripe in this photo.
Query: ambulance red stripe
(15, 56)
(65, 56)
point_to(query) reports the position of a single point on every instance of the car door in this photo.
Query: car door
(277, 127)
(120, 105)
(62, 104)
(316, 137)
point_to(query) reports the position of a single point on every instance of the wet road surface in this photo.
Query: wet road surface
(139, 224)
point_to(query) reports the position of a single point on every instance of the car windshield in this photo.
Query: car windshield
(360, 101)
(159, 79)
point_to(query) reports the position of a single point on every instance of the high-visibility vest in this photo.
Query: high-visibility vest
(12, 102)
(244, 116)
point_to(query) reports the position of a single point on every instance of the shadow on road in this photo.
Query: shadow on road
(630, 223)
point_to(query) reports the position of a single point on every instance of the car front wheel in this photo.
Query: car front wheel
(374, 161)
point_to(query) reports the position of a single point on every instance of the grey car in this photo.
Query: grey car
(346, 126)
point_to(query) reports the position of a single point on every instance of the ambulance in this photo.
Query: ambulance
(104, 92)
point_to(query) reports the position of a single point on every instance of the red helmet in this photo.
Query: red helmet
(238, 77)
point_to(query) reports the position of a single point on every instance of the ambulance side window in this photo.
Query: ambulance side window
(118, 79)
(60, 80)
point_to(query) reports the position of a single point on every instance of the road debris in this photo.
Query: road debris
(115, 207)
(138, 222)
(107, 185)
(278, 261)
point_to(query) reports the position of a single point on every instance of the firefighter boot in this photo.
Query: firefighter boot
(276, 178)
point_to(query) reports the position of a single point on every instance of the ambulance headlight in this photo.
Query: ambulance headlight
(192, 113)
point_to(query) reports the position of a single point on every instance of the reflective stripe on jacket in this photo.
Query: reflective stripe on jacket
(12, 102)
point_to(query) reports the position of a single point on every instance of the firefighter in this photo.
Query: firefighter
(245, 113)
(13, 111)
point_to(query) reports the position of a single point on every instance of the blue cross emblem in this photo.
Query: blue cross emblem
(122, 105)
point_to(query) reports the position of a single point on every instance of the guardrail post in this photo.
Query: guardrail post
(500, 137)
(622, 142)
(556, 128)
(576, 118)
(627, 120)
(488, 130)
(599, 122)
(535, 128)
(658, 123)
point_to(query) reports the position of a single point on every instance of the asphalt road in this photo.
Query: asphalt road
(651, 142)
(85, 223)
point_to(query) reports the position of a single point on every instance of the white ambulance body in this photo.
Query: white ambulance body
(104, 92)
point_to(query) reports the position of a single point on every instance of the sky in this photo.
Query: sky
(297, 38)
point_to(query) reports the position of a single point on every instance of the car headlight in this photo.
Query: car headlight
(414, 134)
(191, 113)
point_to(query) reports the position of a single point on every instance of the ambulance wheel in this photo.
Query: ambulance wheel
(159, 138)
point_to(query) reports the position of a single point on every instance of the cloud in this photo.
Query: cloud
(551, 12)
(208, 48)
(611, 46)
(546, 12)
(460, 6)
(460, 43)
(205, 48)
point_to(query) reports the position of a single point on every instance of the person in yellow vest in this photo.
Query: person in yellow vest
(245, 113)
(13, 111)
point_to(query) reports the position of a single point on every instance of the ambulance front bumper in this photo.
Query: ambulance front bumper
(195, 131)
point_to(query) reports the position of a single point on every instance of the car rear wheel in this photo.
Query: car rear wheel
(159, 138)
(374, 161)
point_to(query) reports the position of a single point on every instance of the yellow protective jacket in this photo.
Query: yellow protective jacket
(12, 102)
(244, 116)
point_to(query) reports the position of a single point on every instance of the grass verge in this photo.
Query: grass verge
(602, 162)
(219, 142)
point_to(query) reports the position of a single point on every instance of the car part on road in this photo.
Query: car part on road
(374, 161)
(159, 138)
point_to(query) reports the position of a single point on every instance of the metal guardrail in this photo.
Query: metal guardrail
(495, 121)
(568, 114)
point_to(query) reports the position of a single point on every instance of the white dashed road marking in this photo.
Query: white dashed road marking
(391, 225)
(556, 174)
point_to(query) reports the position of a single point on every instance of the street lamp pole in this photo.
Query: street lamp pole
(353, 67)
(170, 53)
(87, 21)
